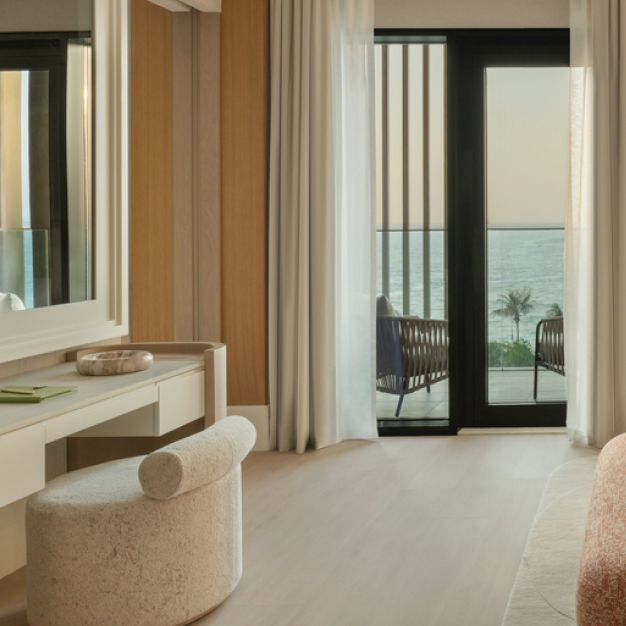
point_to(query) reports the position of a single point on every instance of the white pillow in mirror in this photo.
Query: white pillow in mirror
(10, 302)
(16, 303)
(5, 303)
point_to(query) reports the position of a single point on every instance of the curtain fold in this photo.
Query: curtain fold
(321, 222)
(595, 262)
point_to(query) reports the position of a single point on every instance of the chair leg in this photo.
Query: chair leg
(535, 392)
(428, 383)
(399, 406)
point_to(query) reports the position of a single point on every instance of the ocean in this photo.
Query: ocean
(516, 259)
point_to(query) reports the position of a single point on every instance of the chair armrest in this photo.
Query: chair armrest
(424, 347)
(411, 323)
(549, 343)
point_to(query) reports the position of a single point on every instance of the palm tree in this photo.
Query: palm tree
(515, 304)
(555, 310)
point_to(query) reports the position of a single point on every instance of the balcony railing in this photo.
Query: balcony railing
(412, 272)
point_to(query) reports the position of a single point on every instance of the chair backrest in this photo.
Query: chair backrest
(197, 460)
(388, 347)
(384, 308)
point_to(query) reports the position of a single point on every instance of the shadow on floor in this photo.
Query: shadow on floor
(13, 599)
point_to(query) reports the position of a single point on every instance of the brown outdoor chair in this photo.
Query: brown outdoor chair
(549, 347)
(411, 353)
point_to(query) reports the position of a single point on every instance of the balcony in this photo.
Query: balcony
(528, 262)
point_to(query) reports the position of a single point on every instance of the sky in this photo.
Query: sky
(527, 146)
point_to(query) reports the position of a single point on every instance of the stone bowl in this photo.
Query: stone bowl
(114, 363)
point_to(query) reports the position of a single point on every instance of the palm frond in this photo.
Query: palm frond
(515, 303)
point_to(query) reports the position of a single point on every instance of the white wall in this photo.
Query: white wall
(472, 13)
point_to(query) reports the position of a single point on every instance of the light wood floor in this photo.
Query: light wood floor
(403, 531)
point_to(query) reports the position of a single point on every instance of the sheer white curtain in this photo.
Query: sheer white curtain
(595, 229)
(322, 233)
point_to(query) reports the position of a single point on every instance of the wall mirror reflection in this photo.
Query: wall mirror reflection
(46, 153)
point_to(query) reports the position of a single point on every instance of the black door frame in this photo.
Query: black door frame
(469, 51)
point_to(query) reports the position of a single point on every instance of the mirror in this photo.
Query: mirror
(46, 153)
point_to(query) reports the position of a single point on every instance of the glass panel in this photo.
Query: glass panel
(438, 273)
(378, 58)
(437, 130)
(416, 139)
(396, 137)
(411, 260)
(526, 196)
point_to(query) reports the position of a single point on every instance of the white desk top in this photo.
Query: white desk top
(91, 389)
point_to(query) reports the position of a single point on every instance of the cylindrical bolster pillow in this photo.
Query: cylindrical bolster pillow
(197, 460)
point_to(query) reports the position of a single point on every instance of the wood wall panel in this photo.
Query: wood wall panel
(245, 117)
(207, 157)
(152, 173)
(184, 283)
(197, 205)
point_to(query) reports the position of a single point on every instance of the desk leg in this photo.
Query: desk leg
(215, 399)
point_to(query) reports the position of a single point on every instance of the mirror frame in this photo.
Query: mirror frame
(62, 327)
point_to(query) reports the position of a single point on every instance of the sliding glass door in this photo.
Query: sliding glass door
(412, 234)
(512, 120)
(526, 139)
(472, 131)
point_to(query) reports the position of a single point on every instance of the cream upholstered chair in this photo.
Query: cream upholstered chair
(146, 541)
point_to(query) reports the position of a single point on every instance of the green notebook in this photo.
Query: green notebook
(39, 395)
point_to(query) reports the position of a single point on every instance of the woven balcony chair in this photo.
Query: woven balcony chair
(549, 347)
(411, 353)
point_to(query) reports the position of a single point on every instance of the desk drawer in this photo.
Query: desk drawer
(94, 414)
(181, 400)
(22, 463)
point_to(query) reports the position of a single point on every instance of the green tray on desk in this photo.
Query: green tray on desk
(39, 395)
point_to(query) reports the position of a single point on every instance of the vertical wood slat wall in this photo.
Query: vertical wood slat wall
(230, 306)
(152, 173)
(184, 275)
(245, 135)
(207, 177)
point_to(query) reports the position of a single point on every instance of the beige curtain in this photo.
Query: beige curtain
(321, 238)
(595, 230)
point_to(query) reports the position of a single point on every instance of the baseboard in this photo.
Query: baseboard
(260, 417)
(532, 430)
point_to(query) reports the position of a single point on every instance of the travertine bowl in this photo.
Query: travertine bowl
(113, 363)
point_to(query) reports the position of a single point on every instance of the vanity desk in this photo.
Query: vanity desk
(185, 382)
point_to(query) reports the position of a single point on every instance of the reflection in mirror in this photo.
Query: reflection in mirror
(46, 146)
